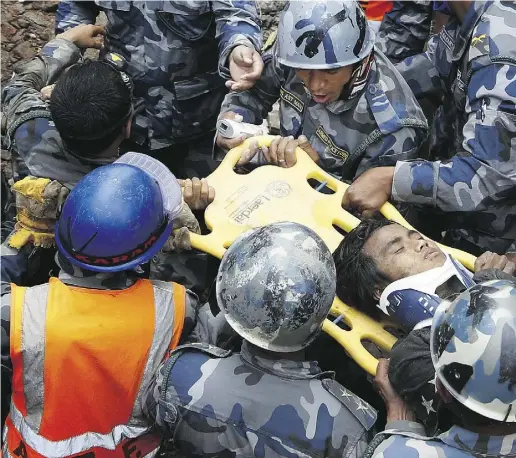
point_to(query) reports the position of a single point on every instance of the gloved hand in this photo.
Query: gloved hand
(38, 203)
(183, 224)
(179, 241)
(197, 195)
(186, 219)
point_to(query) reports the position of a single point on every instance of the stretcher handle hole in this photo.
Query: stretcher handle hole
(321, 186)
(339, 229)
(373, 348)
(342, 322)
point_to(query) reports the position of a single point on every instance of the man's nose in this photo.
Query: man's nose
(420, 244)
(316, 82)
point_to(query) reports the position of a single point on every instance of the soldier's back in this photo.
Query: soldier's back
(249, 405)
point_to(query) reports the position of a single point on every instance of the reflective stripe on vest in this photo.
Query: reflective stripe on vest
(376, 10)
(82, 360)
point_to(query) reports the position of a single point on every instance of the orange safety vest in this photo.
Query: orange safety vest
(375, 10)
(82, 359)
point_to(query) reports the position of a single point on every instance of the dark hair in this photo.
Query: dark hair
(357, 274)
(90, 105)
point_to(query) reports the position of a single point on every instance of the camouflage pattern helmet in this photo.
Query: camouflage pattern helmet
(276, 285)
(323, 34)
(473, 345)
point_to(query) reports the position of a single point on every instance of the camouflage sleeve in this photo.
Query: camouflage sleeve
(401, 145)
(405, 29)
(21, 94)
(202, 326)
(483, 173)
(420, 72)
(69, 14)
(256, 103)
(238, 23)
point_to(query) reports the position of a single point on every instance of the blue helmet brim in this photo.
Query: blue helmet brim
(142, 259)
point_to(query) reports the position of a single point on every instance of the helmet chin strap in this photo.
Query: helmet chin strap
(358, 80)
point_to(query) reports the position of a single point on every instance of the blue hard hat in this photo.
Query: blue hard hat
(114, 219)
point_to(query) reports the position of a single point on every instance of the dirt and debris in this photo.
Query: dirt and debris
(26, 27)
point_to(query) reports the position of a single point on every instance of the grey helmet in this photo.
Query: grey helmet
(323, 34)
(276, 285)
(473, 346)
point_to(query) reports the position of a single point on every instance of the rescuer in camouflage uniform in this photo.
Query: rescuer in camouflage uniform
(340, 99)
(472, 63)
(275, 287)
(472, 345)
(179, 55)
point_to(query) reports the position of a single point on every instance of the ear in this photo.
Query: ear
(377, 293)
(443, 392)
(127, 128)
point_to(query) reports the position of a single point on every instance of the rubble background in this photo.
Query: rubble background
(26, 27)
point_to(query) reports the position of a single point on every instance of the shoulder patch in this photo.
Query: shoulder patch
(293, 100)
(330, 144)
(362, 411)
(446, 39)
(479, 45)
(270, 41)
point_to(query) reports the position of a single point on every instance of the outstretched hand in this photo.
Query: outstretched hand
(245, 67)
(85, 36)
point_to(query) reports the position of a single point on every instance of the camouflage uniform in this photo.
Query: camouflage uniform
(455, 443)
(473, 64)
(270, 407)
(383, 124)
(199, 324)
(405, 29)
(31, 134)
(172, 55)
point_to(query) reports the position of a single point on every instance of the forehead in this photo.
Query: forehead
(382, 236)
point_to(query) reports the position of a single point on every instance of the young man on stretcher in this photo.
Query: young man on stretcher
(388, 271)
